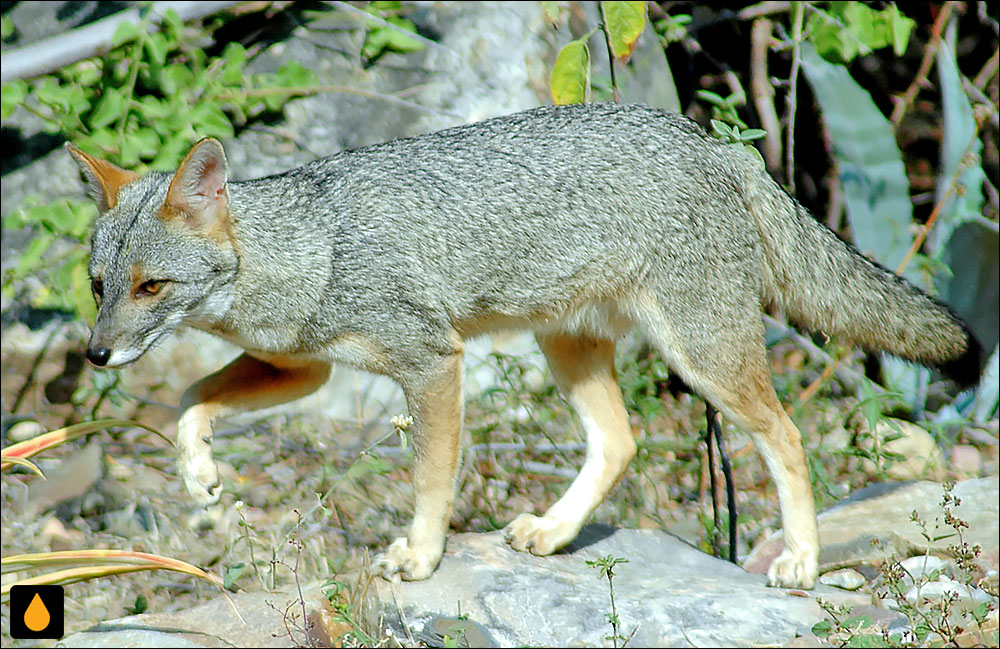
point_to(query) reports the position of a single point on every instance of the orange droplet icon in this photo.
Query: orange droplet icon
(36, 617)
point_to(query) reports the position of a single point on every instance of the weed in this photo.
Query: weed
(606, 565)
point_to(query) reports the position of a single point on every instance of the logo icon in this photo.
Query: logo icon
(36, 612)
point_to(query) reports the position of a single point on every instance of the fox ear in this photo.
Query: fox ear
(198, 189)
(103, 178)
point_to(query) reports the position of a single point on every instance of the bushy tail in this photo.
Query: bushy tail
(827, 286)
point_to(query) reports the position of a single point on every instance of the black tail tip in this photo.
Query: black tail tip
(966, 370)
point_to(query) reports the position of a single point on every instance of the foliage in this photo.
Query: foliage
(571, 78)
(847, 29)
(381, 37)
(932, 621)
(606, 567)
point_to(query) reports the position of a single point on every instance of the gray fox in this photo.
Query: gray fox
(576, 223)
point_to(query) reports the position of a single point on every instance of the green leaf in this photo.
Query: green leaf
(822, 628)
(901, 28)
(552, 11)
(624, 22)
(208, 120)
(233, 573)
(174, 77)
(124, 33)
(381, 39)
(109, 109)
(157, 47)
(233, 59)
(11, 96)
(570, 79)
(295, 75)
(173, 24)
(80, 293)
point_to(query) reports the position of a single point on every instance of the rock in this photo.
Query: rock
(214, 624)
(917, 567)
(668, 594)
(923, 457)
(72, 478)
(23, 430)
(881, 514)
(966, 459)
(846, 579)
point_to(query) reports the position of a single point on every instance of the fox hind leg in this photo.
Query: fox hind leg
(584, 369)
(727, 364)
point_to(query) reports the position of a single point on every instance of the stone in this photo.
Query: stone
(667, 594)
(874, 524)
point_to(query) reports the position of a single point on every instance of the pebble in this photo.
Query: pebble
(847, 579)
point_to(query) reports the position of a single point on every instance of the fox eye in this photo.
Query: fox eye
(150, 288)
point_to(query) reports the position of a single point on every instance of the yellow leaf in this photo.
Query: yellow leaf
(570, 79)
(624, 22)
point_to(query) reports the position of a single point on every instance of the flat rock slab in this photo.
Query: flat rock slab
(669, 594)
(875, 523)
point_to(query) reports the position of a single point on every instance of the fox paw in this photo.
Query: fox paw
(201, 477)
(538, 534)
(400, 560)
(793, 570)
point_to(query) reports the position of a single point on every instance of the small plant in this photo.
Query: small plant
(606, 565)
(942, 620)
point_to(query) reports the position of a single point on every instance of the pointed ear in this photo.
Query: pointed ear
(198, 189)
(103, 178)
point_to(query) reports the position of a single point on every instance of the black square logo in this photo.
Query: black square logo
(36, 612)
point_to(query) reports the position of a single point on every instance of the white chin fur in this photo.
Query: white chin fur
(122, 357)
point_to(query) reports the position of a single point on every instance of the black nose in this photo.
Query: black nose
(99, 356)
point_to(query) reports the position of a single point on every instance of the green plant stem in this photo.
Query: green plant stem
(132, 76)
(611, 55)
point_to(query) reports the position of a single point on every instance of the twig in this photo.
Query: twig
(30, 378)
(285, 136)
(925, 66)
(925, 229)
(763, 9)
(763, 91)
(791, 96)
(988, 70)
(611, 54)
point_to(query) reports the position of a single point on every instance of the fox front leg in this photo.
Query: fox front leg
(245, 384)
(436, 407)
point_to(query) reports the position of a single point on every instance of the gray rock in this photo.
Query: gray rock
(668, 593)
(875, 523)
(847, 579)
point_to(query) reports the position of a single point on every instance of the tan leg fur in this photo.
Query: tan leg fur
(245, 384)
(584, 369)
(436, 409)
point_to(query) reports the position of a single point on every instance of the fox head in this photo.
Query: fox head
(162, 251)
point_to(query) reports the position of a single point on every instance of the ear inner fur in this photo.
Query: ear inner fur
(198, 189)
